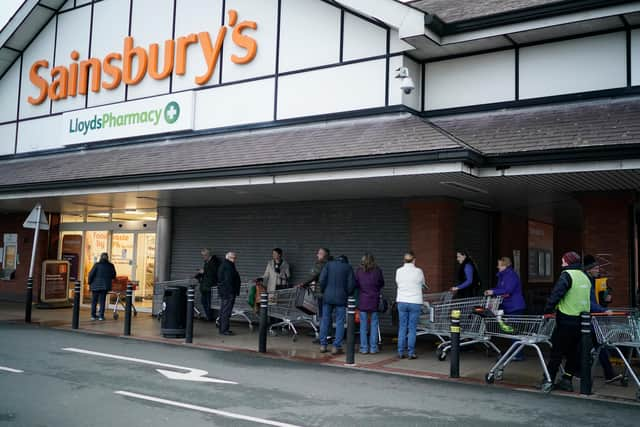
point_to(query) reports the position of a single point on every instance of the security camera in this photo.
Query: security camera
(406, 82)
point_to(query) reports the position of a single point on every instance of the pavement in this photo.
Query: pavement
(474, 364)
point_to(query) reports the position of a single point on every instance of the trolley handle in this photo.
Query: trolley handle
(611, 313)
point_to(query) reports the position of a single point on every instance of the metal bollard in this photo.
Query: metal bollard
(585, 368)
(454, 371)
(264, 320)
(28, 300)
(127, 310)
(75, 320)
(191, 293)
(351, 331)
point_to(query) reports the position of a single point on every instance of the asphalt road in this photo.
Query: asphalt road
(73, 379)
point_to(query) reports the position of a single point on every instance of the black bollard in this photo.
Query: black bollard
(191, 293)
(351, 331)
(264, 320)
(28, 300)
(127, 310)
(585, 368)
(454, 371)
(75, 320)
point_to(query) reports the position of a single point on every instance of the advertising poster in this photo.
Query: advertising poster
(10, 256)
(55, 281)
(71, 251)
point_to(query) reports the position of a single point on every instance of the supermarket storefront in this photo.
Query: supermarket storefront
(359, 126)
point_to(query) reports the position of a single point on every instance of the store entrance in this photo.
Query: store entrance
(130, 249)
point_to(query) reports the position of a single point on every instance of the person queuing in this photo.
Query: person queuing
(510, 289)
(228, 289)
(369, 281)
(277, 273)
(100, 277)
(410, 280)
(337, 282)
(592, 268)
(208, 278)
(323, 256)
(468, 276)
(570, 296)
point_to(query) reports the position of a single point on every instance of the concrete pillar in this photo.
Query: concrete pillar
(432, 229)
(163, 245)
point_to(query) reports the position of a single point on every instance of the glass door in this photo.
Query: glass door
(96, 242)
(122, 255)
(145, 264)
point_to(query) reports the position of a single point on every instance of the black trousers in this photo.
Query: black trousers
(566, 340)
(206, 304)
(226, 309)
(98, 297)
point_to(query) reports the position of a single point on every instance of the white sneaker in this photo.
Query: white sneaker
(94, 318)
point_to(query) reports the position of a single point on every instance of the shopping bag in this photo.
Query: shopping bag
(383, 304)
(306, 301)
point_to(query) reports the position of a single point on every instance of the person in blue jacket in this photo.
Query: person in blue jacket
(468, 276)
(510, 288)
(337, 282)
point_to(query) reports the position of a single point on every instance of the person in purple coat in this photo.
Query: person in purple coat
(369, 281)
(510, 288)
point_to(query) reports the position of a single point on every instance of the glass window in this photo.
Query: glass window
(97, 216)
(135, 216)
(72, 217)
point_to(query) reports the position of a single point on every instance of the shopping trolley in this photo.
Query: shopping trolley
(119, 290)
(437, 321)
(425, 326)
(241, 307)
(619, 331)
(282, 306)
(526, 331)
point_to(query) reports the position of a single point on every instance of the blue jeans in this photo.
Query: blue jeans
(368, 338)
(408, 315)
(325, 323)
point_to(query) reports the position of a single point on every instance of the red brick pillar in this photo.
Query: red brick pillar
(607, 232)
(432, 238)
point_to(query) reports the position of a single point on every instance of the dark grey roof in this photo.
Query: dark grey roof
(354, 138)
(605, 122)
(461, 10)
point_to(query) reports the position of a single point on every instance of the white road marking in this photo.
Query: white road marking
(192, 374)
(204, 409)
(14, 371)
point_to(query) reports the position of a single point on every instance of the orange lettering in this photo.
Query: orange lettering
(169, 46)
(129, 53)
(39, 82)
(58, 83)
(245, 42)
(210, 53)
(181, 54)
(112, 71)
(94, 65)
(73, 74)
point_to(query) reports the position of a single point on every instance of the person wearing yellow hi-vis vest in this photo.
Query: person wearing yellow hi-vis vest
(571, 296)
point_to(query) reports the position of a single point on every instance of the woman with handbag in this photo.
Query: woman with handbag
(369, 281)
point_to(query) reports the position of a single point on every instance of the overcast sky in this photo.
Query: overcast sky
(7, 9)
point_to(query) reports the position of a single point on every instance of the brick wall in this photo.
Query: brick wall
(607, 231)
(432, 238)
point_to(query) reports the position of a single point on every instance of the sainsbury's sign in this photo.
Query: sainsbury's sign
(73, 80)
(162, 114)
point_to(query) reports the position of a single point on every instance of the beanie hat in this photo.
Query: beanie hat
(571, 258)
(589, 262)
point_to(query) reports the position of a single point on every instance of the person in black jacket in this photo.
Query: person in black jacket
(208, 278)
(228, 289)
(468, 276)
(337, 282)
(100, 277)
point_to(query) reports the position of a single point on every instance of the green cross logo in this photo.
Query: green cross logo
(172, 112)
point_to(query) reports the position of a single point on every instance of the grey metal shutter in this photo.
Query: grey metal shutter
(474, 234)
(345, 227)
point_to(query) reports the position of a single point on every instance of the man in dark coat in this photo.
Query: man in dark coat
(337, 282)
(208, 278)
(228, 289)
(323, 256)
(100, 278)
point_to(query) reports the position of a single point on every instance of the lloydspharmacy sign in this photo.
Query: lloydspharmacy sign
(162, 114)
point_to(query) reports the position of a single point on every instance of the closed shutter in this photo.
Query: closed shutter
(345, 227)
(474, 234)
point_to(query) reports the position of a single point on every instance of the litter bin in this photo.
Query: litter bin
(174, 316)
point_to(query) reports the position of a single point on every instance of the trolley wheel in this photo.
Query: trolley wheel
(624, 381)
(135, 313)
(441, 354)
(115, 316)
(499, 374)
(489, 378)
(295, 338)
(547, 387)
(272, 332)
